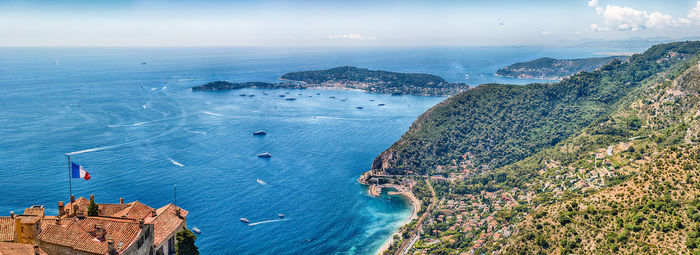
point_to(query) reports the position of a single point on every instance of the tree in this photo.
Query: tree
(93, 209)
(185, 243)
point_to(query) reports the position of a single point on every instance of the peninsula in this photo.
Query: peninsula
(555, 69)
(348, 77)
(602, 162)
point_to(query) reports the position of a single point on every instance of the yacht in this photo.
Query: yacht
(245, 220)
(260, 132)
(265, 155)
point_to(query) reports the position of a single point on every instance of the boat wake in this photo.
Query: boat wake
(265, 221)
(116, 145)
(130, 125)
(175, 162)
(328, 117)
(96, 149)
(211, 113)
(146, 122)
(199, 132)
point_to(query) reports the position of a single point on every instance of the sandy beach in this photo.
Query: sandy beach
(416, 207)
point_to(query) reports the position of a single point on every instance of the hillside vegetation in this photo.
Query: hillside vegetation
(348, 77)
(604, 162)
(502, 124)
(377, 81)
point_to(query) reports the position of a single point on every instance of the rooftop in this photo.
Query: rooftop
(166, 222)
(90, 234)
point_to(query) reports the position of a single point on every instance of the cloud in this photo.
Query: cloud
(694, 14)
(629, 19)
(593, 3)
(352, 36)
(597, 28)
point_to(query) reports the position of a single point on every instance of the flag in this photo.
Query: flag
(78, 171)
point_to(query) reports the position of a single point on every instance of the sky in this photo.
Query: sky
(340, 23)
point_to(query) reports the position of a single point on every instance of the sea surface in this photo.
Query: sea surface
(144, 134)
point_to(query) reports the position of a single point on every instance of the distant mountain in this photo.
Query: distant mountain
(554, 69)
(348, 77)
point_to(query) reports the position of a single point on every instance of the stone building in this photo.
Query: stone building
(119, 228)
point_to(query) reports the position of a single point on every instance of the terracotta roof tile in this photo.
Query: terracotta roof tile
(110, 209)
(166, 222)
(7, 229)
(76, 234)
(18, 249)
(135, 210)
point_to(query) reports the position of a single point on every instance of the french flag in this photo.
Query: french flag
(78, 171)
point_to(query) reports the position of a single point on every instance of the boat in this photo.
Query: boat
(290, 99)
(260, 132)
(143, 63)
(242, 95)
(332, 97)
(261, 182)
(245, 220)
(318, 94)
(196, 230)
(360, 107)
(280, 95)
(371, 100)
(251, 95)
(265, 155)
(381, 104)
(281, 215)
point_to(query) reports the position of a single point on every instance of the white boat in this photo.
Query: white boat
(196, 230)
(265, 155)
(245, 220)
(261, 182)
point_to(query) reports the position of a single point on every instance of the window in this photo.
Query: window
(171, 245)
(148, 233)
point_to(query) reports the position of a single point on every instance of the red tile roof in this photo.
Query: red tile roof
(76, 234)
(110, 209)
(166, 222)
(135, 210)
(7, 229)
(18, 249)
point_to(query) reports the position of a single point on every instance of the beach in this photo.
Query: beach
(415, 204)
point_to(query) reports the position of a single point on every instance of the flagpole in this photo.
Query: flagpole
(70, 182)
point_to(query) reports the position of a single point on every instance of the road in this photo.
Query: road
(405, 246)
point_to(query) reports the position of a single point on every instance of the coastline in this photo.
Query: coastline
(415, 204)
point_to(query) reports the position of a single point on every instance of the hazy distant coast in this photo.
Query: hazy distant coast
(554, 69)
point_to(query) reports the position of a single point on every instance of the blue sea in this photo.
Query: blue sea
(144, 132)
